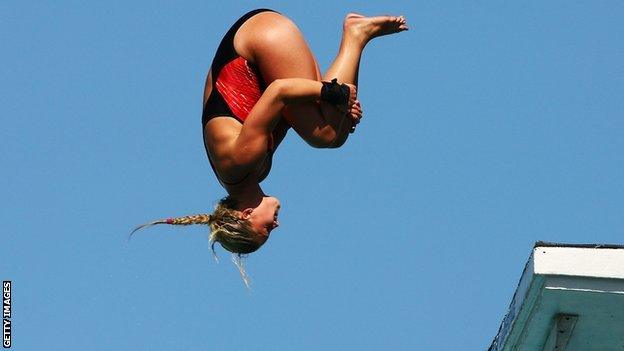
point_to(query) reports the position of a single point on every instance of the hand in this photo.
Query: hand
(352, 98)
(352, 95)
(355, 112)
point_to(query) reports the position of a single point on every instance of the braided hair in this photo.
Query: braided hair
(234, 233)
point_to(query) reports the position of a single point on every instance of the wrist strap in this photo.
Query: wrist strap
(335, 93)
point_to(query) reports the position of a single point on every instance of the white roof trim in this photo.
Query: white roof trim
(580, 262)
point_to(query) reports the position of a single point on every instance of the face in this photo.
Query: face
(263, 218)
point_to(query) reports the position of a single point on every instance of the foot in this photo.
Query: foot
(362, 29)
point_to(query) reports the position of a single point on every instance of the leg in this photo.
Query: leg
(251, 145)
(357, 32)
(262, 40)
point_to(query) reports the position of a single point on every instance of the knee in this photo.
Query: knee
(325, 138)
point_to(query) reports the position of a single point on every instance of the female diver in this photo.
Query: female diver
(263, 81)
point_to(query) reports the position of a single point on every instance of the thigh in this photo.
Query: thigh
(277, 47)
(275, 44)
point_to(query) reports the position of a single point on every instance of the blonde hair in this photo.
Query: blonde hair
(226, 227)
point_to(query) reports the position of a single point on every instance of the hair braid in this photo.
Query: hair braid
(234, 233)
(202, 218)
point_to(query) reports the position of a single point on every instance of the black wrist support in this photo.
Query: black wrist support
(335, 93)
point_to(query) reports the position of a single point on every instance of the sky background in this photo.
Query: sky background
(488, 126)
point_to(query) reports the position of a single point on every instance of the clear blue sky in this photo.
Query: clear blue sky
(487, 126)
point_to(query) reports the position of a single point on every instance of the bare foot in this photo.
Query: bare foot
(363, 29)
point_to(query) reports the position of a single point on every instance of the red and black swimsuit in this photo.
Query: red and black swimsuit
(236, 87)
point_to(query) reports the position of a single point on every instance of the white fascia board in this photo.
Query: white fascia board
(580, 262)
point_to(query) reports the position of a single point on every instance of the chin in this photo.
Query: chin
(273, 199)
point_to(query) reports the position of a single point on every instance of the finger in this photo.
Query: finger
(357, 107)
(352, 90)
(358, 104)
(356, 112)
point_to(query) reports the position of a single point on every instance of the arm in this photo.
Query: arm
(319, 124)
(251, 145)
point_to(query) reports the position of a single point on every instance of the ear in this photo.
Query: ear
(246, 213)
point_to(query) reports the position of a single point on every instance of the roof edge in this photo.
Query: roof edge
(589, 246)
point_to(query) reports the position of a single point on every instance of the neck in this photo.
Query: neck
(247, 195)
